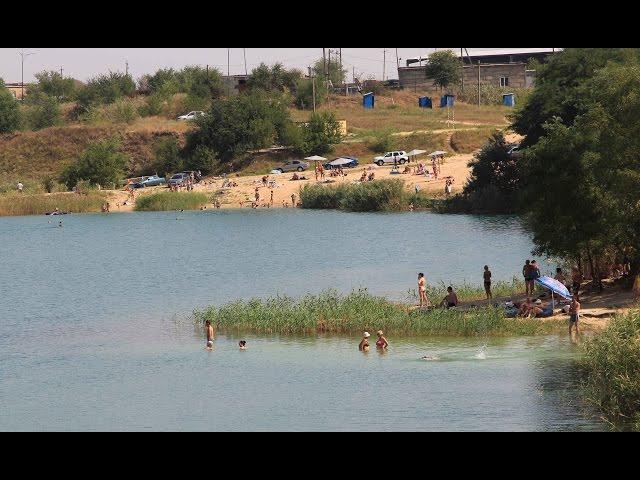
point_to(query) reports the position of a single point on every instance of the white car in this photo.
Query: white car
(400, 157)
(191, 116)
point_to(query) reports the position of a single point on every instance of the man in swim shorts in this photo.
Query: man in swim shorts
(210, 334)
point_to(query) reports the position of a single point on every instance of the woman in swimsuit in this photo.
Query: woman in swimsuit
(422, 289)
(382, 343)
(364, 343)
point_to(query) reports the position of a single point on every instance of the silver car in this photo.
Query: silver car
(294, 166)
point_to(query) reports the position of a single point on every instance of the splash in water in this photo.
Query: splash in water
(482, 353)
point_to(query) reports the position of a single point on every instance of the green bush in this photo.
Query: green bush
(612, 362)
(381, 141)
(168, 155)
(101, 163)
(9, 111)
(377, 196)
(168, 201)
(42, 111)
(124, 112)
(106, 89)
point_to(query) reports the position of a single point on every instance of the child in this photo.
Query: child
(210, 334)
(242, 345)
(574, 314)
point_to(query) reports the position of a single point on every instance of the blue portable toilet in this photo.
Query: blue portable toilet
(425, 102)
(509, 100)
(369, 100)
(447, 101)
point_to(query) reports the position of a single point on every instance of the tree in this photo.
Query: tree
(43, 111)
(495, 180)
(168, 156)
(241, 123)
(102, 163)
(444, 68)
(560, 88)
(9, 110)
(337, 75)
(304, 93)
(320, 133)
(200, 82)
(106, 89)
(54, 85)
(274, 79)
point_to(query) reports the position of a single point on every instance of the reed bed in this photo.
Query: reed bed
(39, 204)
(468, 292)
(612, 364)
(168, 201)
(332, 312)
(383, 195)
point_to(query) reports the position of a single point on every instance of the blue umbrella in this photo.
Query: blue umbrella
(554, 285)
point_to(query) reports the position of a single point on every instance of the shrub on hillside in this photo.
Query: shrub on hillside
(381, 141)
(168, 153)
(106, 89)
(124, 111)
(102, 163)
(9, 111)
(42, 111)
(54, 85)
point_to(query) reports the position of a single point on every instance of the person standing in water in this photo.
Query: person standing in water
(487, 282)
(364, 343)
(381, 343)
(210, 334)
(422, 290)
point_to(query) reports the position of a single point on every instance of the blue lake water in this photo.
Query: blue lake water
(94, 333)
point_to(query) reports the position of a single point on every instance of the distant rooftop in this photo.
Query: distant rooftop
(497, 55)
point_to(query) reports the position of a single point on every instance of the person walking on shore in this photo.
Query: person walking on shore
(487, 282)
(20, 187)
(422, 290)
(574, 314)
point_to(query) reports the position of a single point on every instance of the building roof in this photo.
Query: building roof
(495, 52)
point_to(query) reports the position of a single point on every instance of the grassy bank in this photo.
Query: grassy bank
(332, 312)
(167, 201)
(15, 204)
(468, 293)
(612, 362)
(383, 195)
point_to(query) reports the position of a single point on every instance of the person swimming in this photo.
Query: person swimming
(242, 344)
(364, 343)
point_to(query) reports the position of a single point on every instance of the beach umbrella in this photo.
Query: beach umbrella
(555, 286)
(316, 158)
(439, 153)
(415, 153)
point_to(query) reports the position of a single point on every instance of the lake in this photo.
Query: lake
(95, 334)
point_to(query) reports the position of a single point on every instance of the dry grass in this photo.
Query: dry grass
(468, 141)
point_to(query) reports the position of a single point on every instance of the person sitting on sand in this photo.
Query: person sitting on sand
(525, 307)
(363, 178)
(242, 344)
(407, 170)
(422, 290)
(372, 176)
(451, 299)
(364, 343)
(381, 343)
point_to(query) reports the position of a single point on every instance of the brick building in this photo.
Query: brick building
(16, 89)
(501, 68)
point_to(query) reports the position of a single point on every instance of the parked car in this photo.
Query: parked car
(191, 116)
(178, 180)
(294, 166)
(399, 157)
(152, 181)
(344, 162)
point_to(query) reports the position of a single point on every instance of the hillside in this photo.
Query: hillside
(32, 156)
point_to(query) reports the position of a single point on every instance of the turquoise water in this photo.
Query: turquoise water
(94, 333)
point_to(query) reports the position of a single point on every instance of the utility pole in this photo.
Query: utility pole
(23, 55)
(397, 60)
(462, 63)
(313, 83)
(478, 83)
(244, 52)
(228, 72)
(384, 64)
(61, 70)
(329, 70)
(324, 61)
(126, 67)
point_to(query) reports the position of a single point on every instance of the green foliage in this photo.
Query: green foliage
(444, 68)
(203, 159)
(168, 156)
(383, 195)
(102, 163)
(495, 180)
(491, 94)
(612, 362)
(106, 89)
(54, 85)
(14, 205)
(168, 201)
(153, 106)
(42, 111)
(561, 88)
(274, 79)
(125, 111)
(241, 123)
(49, 184)
(337, 75)
(304, 93)
(9, 111)
(319, 134)
(331, 312)
(381, 141)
